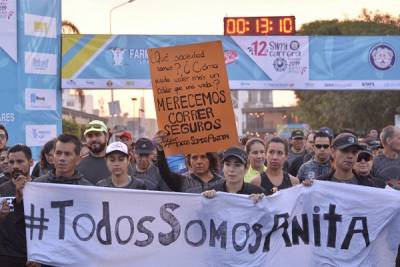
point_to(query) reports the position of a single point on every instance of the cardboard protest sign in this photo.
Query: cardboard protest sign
(192, 97)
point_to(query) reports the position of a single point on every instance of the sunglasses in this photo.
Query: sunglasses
(94, 126)
(364, 156)
(318, 146)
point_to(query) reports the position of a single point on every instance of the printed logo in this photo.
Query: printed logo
(118, 55)
(351, 140)
(6, 10)
(40, 99)
(38, 135)
(368, 84)
(230, 56)
(280, 64)
(40, 63)
(294, 45)
(382, 56)
(109, 83)
(40, 26)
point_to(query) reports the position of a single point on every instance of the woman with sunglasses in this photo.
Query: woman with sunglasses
(362, 168)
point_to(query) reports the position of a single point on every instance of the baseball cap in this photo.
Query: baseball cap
(126, 134)
(144, 146)
(236, 152)
(374, 144)
(327, 131)
(346, 140)
(117, 147)
(365, 149)
(95, 126)
(297, 134)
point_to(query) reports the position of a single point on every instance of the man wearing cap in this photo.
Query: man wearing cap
(94, 167)
(117, 158)
(144, 168)
(345, 148)
(126, 138)
(235, 167)
(296, 151)
(320, 164)
(387, 166)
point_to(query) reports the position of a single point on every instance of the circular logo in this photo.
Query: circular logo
(280, 64)
(382, 56)
(294, 45)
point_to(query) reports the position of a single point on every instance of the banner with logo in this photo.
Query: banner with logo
(327, 224)
(30, 103)
(8, 27)
(252, 62)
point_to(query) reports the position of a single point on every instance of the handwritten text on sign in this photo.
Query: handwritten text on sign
(192, 97)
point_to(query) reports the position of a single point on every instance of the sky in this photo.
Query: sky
(203, 17)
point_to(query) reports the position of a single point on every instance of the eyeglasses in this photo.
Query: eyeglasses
(95, 126)
(318, 146)
(364, 156)
(3, 136)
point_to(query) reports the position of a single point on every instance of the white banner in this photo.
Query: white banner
(327, 224)
(8, 27)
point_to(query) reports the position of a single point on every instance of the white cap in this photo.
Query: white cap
(117, 146)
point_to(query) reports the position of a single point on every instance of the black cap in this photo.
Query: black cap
(327, 131)
(365, 149)
(346, 140)
(236, 152)
(144, 146)
(374, 144)
(297, 134)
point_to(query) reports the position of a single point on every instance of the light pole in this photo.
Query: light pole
(134, 99)
(112, 88)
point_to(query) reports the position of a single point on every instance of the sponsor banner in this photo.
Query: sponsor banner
(40, 63)
(40, 26)
(38, 135)
(327, 224)
(192, 98)
(252, 62)
(40, 99)
(8, 27)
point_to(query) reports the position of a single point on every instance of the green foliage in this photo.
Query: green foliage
(358, 110)
(71, 127)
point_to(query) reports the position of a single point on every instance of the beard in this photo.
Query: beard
(96, 147)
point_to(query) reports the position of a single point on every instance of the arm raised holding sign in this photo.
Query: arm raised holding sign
(202, 174)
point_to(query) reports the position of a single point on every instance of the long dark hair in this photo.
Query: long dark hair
(45, 150)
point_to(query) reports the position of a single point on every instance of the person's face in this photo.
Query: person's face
(345, 159)
(298, 143)
(363, 164)
(125, 140)
(50, 157)
(3, 139)
(257, 155)
(394, 142)
(373, 133)
(322, 149)
(65, 158)
(276, 156)
(4, 166)
(143, 160)
(117, 163)
(310, 143)
(234, 170)
(96, 141)
(19, 164)
(199, 164)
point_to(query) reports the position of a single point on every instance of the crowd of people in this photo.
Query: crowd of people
(257, 167)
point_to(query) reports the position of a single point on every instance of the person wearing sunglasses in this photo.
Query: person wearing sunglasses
(345, 149)
(362, 168)
(320, 164)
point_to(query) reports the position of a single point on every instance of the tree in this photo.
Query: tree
(69, 27)
(71, 127)
(351, 109)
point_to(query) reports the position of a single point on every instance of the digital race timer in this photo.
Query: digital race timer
(280, 25)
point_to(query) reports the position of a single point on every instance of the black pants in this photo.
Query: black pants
(398, 257)
(6, 261)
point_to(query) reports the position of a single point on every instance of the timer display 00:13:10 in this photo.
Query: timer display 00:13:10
(259, 26)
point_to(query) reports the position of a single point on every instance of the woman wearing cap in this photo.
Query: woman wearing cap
(235, 166)
(363, 166)
(255, 149)
(117, 159)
